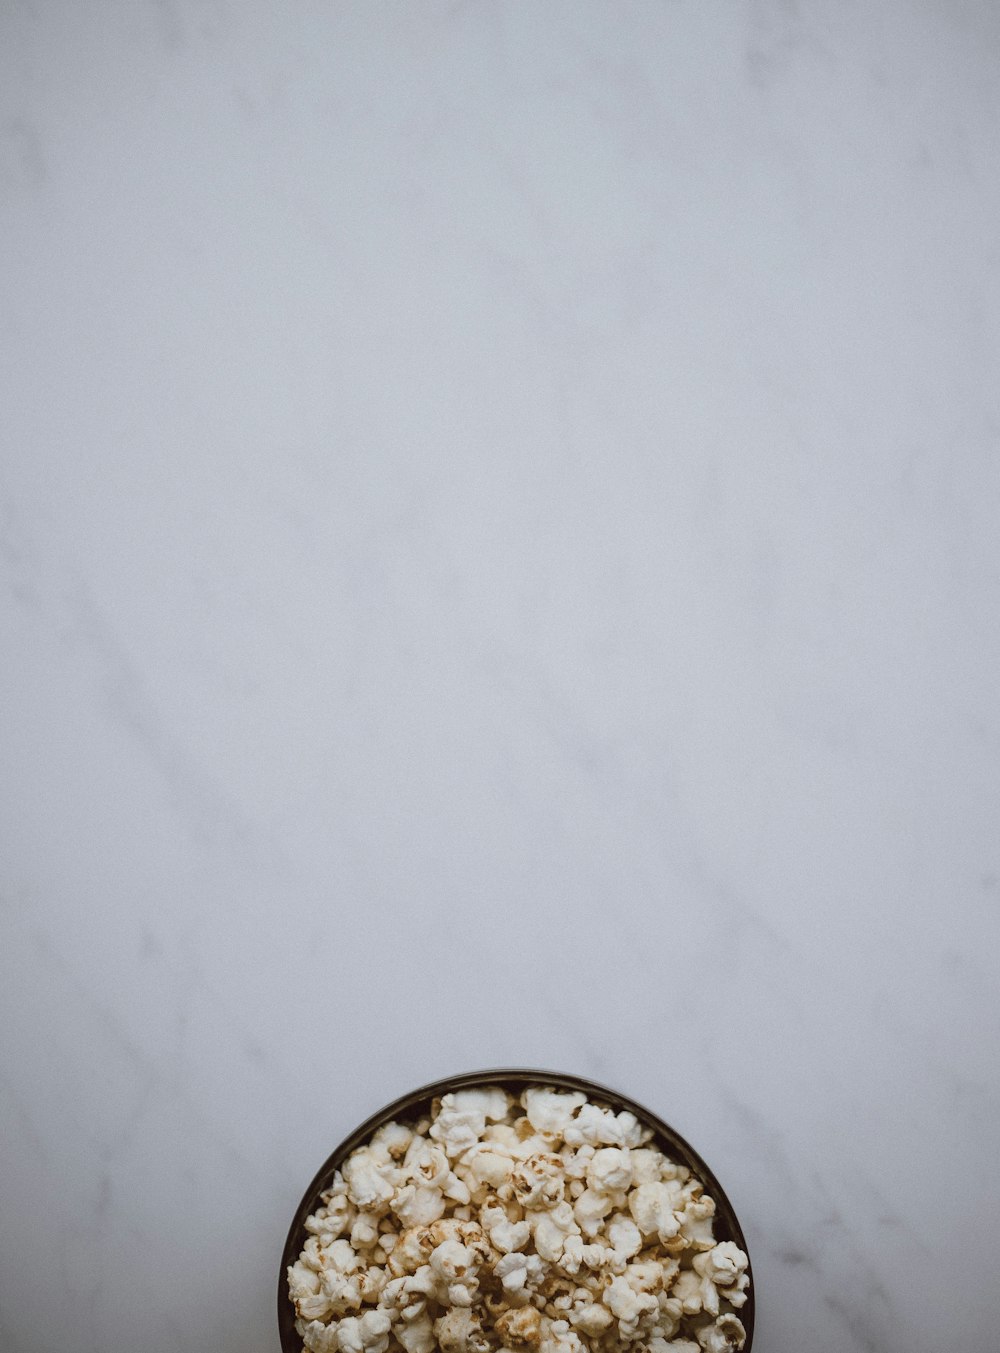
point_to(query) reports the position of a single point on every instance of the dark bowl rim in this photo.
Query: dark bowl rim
(408, 1105)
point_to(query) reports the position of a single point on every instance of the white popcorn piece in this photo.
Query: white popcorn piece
(302, 1281)
(368, 1180)
(645, 1275)
(424, 1283)
(368, 1333)
(411, 1249)
(514, 1270)
(460, 1331)
(550, 1111)
(342, 1291)
(576, 1160)
(590, 1209)
(491, 1101)
(724, 1336)
(647, 1165)
(538, 1181)
(462, 1293)
(725, 1266)
(456, 1190)
(508, 1236)
(610, 1170)
(332, 1220)
(695, 1293)
(426, 1164)
(486, 1163)
(572, 1254)
(551, 1229)
(503, 1135)
(315, 1307)
(519, 1327)
(418, 1205)
(371, 1281)
(320, 1338)
(531, 1144)
(652, 1207)
(390, 1142)
(492, 1213)
(461, 1120)
(696, 1222)
(364, 1232)
(451, 1261)
(603, 1127)
(591, 1319)
(625, 1236)
(668, 1322)
(626, 1303)
(416, 1336)
(341, 1257)
(557, 1337)
(338, 1188)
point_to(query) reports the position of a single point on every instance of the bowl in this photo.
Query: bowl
(417, 1103)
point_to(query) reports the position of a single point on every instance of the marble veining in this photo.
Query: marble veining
(498, 565)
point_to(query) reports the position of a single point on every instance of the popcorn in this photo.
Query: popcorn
(486, 1164)
(426, 1164)
(689, 1290)
(461, 1120)
(652, 1207)
(559, 1338)
(510, 1235)
(626, 1303)
(313, 1307)
(368, 1333)
(366, 1186)
(513, 1270)
(491, 1101)
(550, 1111)
(364, 1232)
(625, 1236)
(572, 1254)
(591, 1319)
(724, 1267)
(551, 1230)
(725, 1335)
(412, 1248)
(648, 1276)
(460, 1331)
(590, 1209)
(418, 1205)
(302, 1281)
(391, 1141)
(609, 1171)
(603, 1127)
(696, 1223)
(416, 1336)
(520, 1326)
(319, 1338)
(544, 1225)
(646, 1165)
(538, 1181)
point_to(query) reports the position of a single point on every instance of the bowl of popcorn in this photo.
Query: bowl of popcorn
(515, 1212)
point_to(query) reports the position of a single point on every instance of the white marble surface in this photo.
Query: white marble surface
(499, 518)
